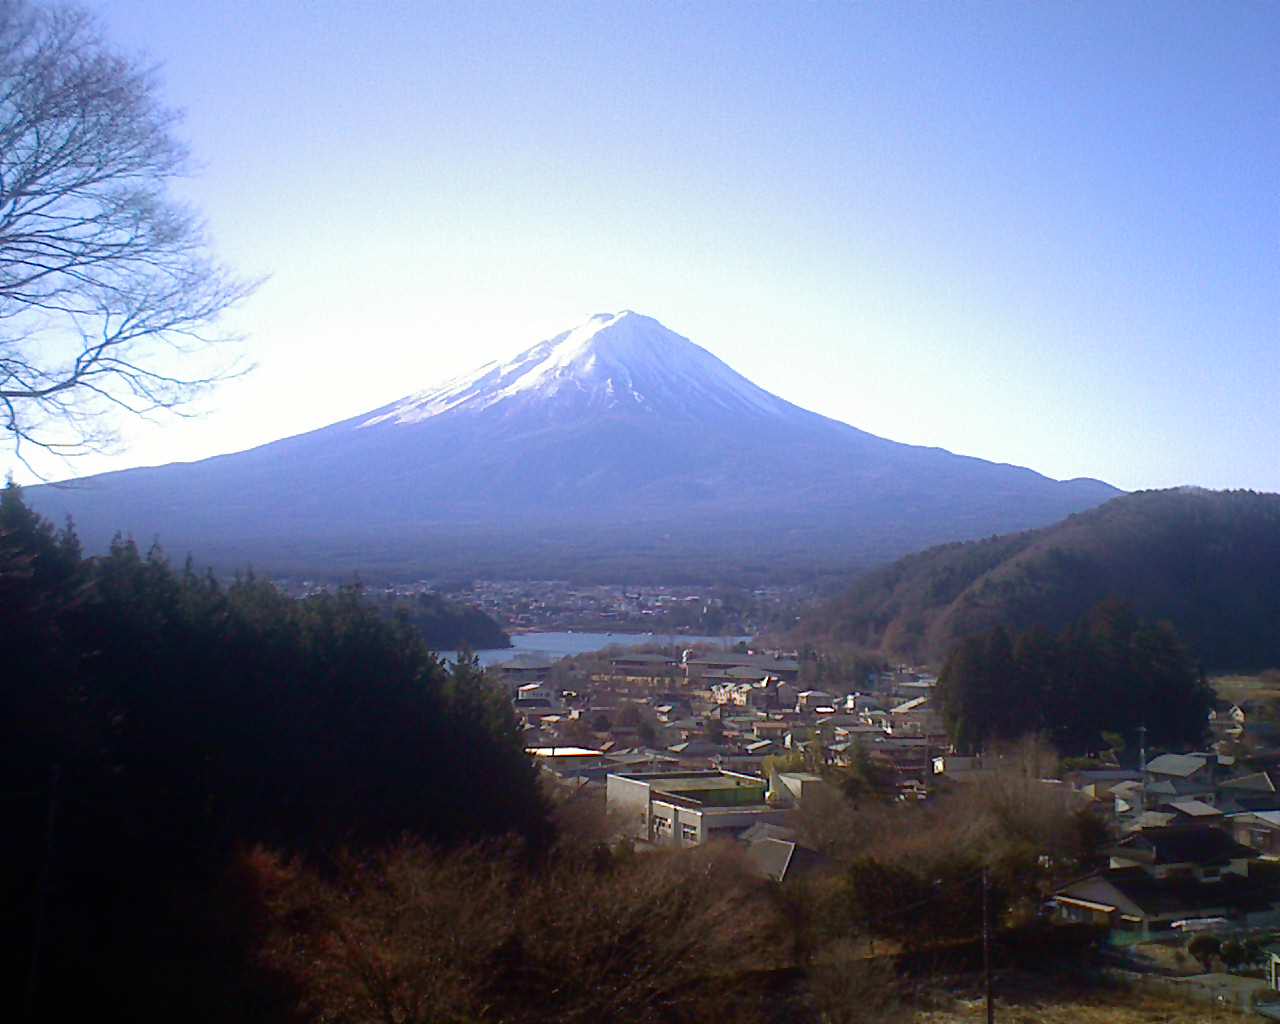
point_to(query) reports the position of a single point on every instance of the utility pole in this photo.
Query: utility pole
(1142, 762)
(986, 944)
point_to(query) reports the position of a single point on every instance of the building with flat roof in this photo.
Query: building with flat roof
(689, 808)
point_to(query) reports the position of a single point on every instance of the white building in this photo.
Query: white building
(689, 808)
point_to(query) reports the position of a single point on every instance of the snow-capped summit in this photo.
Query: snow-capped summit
(617, 449)
(620, 361)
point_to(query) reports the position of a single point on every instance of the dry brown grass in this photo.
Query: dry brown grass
(1169, 958)
(1118, 1006)
(1265, 686)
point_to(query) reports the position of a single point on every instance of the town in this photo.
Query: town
(640, 608)
(694, 747)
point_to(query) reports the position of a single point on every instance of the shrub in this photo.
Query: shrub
(1204, 948)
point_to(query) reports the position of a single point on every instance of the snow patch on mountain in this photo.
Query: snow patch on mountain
(613, 360)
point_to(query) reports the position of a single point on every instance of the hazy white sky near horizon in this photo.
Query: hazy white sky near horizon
(1045, 234)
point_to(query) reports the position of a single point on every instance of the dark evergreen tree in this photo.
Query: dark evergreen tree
(190, 721)
(1035, 699)
(1107, 672)
(964, 696)
(1001, 681)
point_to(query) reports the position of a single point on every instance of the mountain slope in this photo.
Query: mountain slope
(616, 449)
(1207, 561)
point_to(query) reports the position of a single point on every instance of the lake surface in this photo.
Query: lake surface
(560, 645)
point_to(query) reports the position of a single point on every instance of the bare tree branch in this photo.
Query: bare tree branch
(104, 279)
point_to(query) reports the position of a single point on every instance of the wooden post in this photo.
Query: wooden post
(986, 943)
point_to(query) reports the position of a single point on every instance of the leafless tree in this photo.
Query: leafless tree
(107, 285)
(476, 936)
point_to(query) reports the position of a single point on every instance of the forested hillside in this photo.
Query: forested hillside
(155, 725)
(444, 625)
(1207, 561)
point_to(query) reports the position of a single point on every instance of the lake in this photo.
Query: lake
(560, 645)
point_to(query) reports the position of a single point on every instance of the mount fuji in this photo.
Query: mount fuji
(616, 450)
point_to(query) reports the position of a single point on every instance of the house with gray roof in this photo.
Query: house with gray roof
(1171, 777)
(1180, 766)
(784, 859)
(1192, 811)
(766, 830)
(1157, 876)
(1254, 791)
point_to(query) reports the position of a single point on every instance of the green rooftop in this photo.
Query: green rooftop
(725, 791)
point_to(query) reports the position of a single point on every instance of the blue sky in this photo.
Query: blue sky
(1046, 234)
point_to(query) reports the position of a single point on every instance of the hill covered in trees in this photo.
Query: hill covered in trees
(155, 725)
(1206, 561)
(444, 625)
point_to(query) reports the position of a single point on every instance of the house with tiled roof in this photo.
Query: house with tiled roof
(1181, 777)
(1157, 876)
(1190, 812)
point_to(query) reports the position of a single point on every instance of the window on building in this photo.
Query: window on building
(689, 833)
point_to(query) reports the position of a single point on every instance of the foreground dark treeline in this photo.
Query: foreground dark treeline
(1108, 671)
(166, 723)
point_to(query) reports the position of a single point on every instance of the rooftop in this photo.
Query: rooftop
(704, 788)
(1133, 892)
(1180, 765)
(1195, 809)
(764, 661)
(781, 858)
(564, 752)
(1173, 845)
(1258, 782)
(644, 659)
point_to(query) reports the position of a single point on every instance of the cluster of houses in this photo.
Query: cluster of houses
(678, 746)
(732, 711)
(678, 749)
(1196, 833)
(558, 604)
